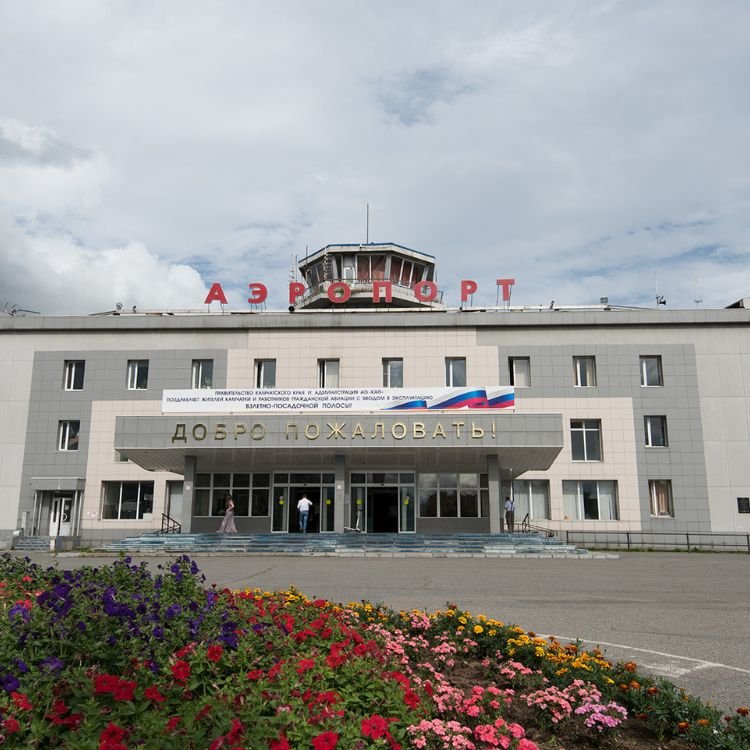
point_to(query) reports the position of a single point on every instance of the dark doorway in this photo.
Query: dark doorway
(382, 503)
(313, 519)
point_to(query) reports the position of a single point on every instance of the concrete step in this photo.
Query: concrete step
(435, 545)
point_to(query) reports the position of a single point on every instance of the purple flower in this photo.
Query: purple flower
(21, 665)
(18, 610)
(158, 633)
(172, 611)
(10, 683)
(52, 664)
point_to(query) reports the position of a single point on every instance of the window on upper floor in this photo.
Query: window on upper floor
(328, 373)
(265, 373)
(584, 372)
(67, 435)
(455, 371)
(586, 439)
(202, 375)
(519, 372)
(137, 374)
(660, 493)
(393, 373)
(591, 500)
(651, 372)
(73, 372)
(655, 431)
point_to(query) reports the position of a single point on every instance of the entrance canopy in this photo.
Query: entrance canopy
(426, 441)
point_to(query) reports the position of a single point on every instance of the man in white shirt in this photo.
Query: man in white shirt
(303, 510)
(510, 513)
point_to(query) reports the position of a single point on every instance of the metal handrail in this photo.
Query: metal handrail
(688, 540)
(169, 525)
(527, 527)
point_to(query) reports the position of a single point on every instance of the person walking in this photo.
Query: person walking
(303, 511)
(510, 513)
(227, 523)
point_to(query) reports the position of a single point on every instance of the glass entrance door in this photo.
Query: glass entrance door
(60, 515)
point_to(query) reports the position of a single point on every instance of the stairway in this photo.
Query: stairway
(32, 543)
(353, 545)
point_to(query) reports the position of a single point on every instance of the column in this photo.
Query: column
(496, 509)
(339, 508)
(188, 492)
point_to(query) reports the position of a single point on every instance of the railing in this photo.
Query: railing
(527, 527)
(672, 540)
(169, 525)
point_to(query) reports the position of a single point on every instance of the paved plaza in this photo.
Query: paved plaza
(684, 616)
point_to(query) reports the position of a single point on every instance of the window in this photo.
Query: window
(590, 500)
(743, 504)
(449, 495)
(73, 375)
(265, 373)
(203, 373)
(393, 373)
(531, 496)
(584, 371)
(250, 492)
(455, 371)
(519, 369)
(127, 501)
(67, 435)
(660, 492)
(328, 373)
(655, 429)
(651, 373)
(137, 374)
(586, 439)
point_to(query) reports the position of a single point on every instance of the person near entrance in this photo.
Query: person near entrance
(227, 523)
(303, 510)
(510, 513)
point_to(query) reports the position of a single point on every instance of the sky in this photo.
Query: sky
(585, 149)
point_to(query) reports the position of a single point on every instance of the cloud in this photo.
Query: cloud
(583, 149)
(411, 98)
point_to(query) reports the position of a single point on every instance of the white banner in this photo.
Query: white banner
(237, 400)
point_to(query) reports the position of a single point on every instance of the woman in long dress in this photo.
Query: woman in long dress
(227, 524)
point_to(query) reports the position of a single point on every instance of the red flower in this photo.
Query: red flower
(254, 674)
(303, 665)
(375, 727)
(105, 683)
(205, 711)
(172, 723)
(153, 694)
(280, 744)
(124, 690)
(181, 671)
(215, 652)
(112, 733)
(11, 725)
(21, 701)
(325, 741)
(411, 698)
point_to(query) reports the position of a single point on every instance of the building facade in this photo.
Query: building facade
(622, 419)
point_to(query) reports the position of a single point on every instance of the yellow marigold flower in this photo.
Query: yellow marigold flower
(492, 632)
(478, 629)
(462, 620)
(459, 628)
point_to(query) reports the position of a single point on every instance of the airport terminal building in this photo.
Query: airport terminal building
(390, 410)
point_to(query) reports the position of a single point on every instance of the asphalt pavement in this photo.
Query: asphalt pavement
(685, 616)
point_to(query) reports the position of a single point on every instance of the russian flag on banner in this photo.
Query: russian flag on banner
(502, 398)
(474, 398)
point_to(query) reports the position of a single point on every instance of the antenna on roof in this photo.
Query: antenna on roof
(367, 225)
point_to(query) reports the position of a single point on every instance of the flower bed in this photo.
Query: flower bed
(118, 657)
